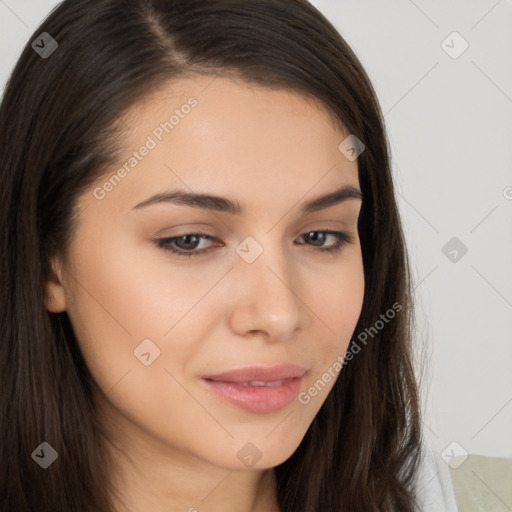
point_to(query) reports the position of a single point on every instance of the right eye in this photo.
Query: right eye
(184, 245)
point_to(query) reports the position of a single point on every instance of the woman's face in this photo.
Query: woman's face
(258, 287)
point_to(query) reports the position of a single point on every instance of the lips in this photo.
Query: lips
(258, 389)
(264, 383)
(260, 374)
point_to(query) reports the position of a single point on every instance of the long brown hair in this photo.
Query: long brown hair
(59, 131)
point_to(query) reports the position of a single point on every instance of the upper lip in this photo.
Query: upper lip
(260, 373)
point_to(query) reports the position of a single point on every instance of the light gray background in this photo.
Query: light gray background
(450, 126)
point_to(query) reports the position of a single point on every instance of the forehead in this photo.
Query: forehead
(232, 110)
(220, 91)
(227, 137)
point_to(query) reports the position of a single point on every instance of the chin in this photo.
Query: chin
(257, 452)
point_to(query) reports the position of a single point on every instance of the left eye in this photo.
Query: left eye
(187, 244)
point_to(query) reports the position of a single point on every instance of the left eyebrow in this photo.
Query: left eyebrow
(223, 204)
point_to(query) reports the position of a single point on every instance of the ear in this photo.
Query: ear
(55, 300)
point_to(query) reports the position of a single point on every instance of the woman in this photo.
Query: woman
(206, 301)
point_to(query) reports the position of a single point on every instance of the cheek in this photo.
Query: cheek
(121, 294)
(338, 308)
(107, 307)
(339, 297)
(133, 291)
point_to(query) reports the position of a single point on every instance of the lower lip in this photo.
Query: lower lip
(260, 399)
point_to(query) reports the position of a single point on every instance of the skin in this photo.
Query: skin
(271, 150)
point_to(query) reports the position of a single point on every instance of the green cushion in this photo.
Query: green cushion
(482, 484)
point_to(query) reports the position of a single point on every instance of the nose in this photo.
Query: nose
(267, 298)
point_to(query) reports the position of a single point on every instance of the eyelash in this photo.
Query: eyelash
(165, 243)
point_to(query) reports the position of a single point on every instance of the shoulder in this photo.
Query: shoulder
(434, 485)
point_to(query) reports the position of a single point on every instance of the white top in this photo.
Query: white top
(435, 488)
